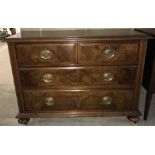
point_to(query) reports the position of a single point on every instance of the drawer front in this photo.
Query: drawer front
(78, 76)
(114, 100)
(46, 54)
(108, 54)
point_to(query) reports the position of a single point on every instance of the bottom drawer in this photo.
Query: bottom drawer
(58, 100)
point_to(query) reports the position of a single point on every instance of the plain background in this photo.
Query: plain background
(77, 14)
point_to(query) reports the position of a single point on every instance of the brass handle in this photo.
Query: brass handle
(109, 53)
(48, 78)
(49, 101)
(46, 54)
(108, 76)
(107, 100)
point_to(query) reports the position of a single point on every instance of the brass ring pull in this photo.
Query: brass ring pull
(46, 54)
(108, 76)
(49, 101)
(109, 53)
(48, 78)
(107, 100)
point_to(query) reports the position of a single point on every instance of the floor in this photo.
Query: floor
(9, 109)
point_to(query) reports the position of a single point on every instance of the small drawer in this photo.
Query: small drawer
(78, 76)
(46, 55)
(108, 54)
(57, 100)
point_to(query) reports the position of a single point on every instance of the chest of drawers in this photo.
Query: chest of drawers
(81, 72)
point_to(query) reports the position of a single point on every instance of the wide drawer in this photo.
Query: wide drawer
(46, 54)
(108, 54)
(78, 76)
(57, 100)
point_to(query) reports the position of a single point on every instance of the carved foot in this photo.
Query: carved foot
(134, 119)
(23, 120)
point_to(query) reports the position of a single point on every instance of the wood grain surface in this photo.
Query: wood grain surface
(78, 76)
(78, 100)
(30, 54)
(93, 54)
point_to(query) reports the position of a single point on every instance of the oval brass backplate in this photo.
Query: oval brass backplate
(108, 76)
(48, 78)
(107, 100)
(46, 54)
(49, 101)
(109, 53)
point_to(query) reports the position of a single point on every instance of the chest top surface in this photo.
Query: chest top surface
(77, 34)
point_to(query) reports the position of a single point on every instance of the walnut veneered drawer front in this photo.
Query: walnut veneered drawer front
(78, 76)
(78, 100)
(108, 54)
(46, 54)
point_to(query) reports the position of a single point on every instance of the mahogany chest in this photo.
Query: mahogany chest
(78, 72)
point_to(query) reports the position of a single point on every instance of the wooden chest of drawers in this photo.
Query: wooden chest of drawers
(87, 72)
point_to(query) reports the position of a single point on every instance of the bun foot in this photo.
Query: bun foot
(23, 120)
(134, 119)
